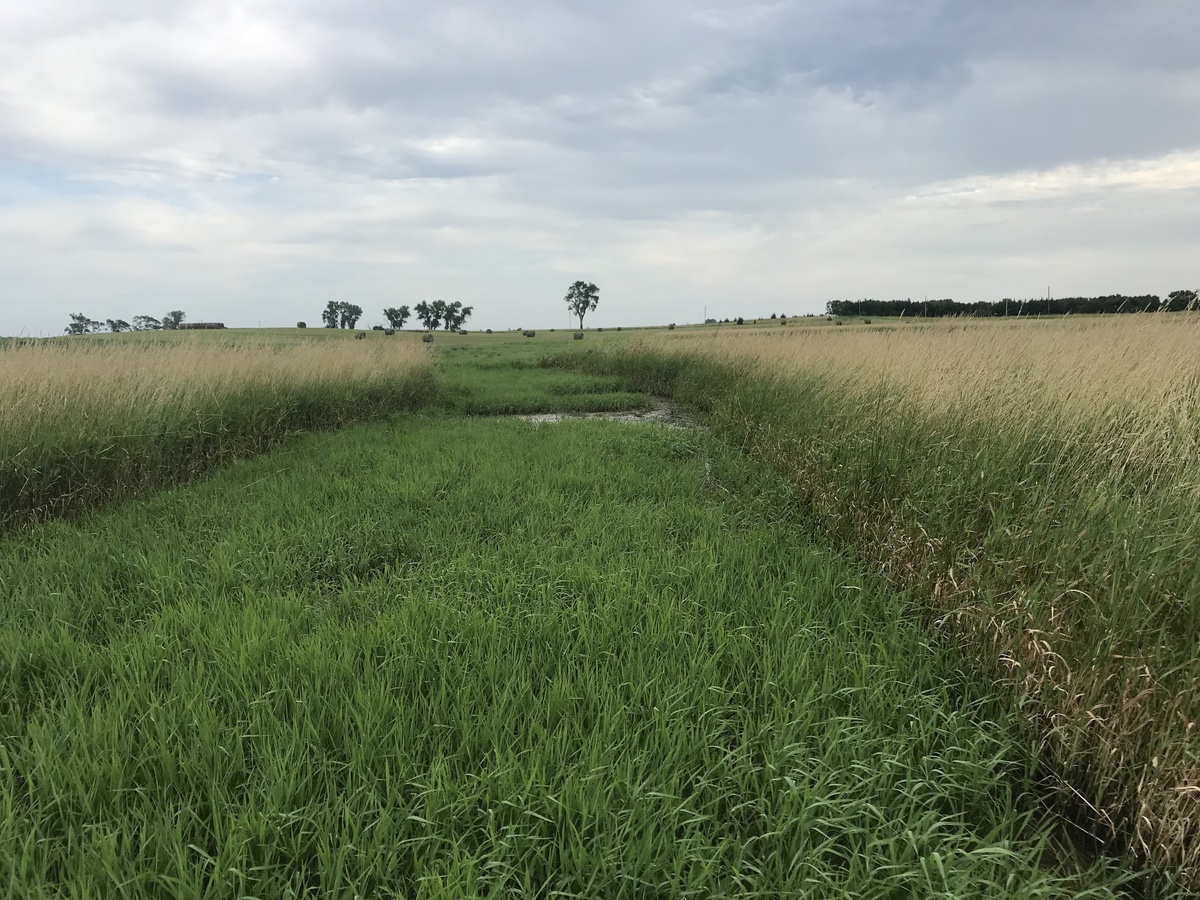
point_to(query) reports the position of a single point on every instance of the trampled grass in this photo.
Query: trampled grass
(89, 420)
(446, 657)
(1038, 485)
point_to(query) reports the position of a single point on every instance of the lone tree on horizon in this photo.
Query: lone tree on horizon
(582, 298)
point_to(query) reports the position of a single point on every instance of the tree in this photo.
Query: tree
(582, 297)
(172, 320)
(340, 314)
(118, 325)
(455, 315)
(430, 314)
(1177, 301)
(146, 323)
(396, 316)
(81, 324)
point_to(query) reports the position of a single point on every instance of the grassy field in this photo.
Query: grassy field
(88, 420)
(1036, 486)
(448, 657)
(451, 655)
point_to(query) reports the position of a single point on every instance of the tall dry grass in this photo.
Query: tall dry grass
(1038, 483)
(86, 420)
(1145, 363)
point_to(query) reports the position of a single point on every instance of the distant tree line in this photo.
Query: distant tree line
(1176, 301)
(81, 324)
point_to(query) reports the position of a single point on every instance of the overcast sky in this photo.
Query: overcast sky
(249, 161)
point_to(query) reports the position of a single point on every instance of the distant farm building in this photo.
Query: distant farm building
(195, 325)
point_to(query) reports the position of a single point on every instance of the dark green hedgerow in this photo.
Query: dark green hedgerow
(1066, 571)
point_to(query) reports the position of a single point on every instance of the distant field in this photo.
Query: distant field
(1036, 484)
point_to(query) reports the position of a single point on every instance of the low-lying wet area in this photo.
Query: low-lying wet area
(661, 412)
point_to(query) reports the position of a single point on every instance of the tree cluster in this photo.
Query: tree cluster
(451, 316)
(936, 309)
(340, 314)
(396, 316)
(81, 324)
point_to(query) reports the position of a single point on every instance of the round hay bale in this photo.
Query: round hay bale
(427, 338)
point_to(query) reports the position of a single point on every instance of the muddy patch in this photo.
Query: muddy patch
(662, 412)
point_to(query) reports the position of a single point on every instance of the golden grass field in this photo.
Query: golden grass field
(1132, 381)
(1147, 362)
(83, 385)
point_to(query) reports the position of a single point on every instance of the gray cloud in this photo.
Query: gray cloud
(674, 150)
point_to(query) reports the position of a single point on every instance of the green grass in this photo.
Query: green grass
(448, 657)
(1064, 567)
(500, 375)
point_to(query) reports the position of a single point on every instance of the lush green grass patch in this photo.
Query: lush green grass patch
(445, 657)
(504, 378)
